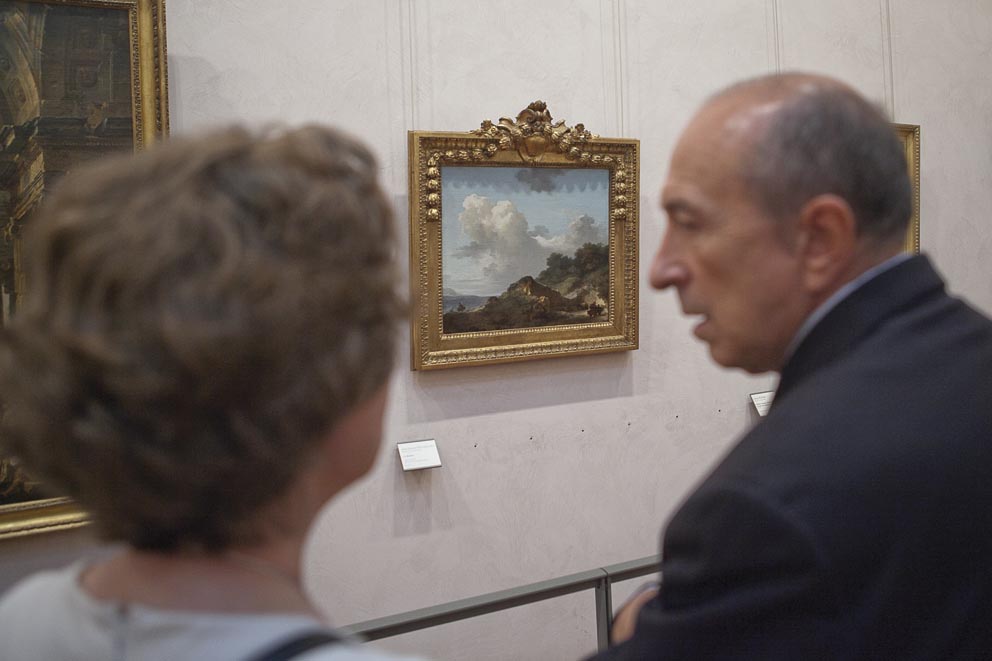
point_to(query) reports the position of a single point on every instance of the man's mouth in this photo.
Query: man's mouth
(702, 320)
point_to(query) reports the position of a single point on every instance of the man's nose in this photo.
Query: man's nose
(667, 269)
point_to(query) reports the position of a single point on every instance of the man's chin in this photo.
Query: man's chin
(720, 359)
(724, 358)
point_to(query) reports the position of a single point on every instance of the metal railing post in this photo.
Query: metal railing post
(604, 611)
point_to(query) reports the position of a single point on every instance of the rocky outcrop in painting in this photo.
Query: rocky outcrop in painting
(571, 290)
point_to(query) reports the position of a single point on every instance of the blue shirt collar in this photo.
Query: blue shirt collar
(849, 288)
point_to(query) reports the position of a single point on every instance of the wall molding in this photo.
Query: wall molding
(613, 44)
(410, 75)
(773, 16)
(620, 63)
(885, 11)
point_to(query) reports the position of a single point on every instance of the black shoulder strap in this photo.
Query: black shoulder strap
(296, 645)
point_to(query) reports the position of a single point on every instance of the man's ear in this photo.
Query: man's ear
(828, 239)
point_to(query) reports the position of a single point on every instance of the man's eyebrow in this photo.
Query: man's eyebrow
(678, 205)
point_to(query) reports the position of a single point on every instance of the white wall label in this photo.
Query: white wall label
(762, 401)
(416, 455)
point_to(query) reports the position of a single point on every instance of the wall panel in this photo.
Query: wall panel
(475, 61)
(678, 54)
(258, 62)
(844, 38)
(942, 58)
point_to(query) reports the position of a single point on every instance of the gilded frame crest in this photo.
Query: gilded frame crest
(523, 242)
(909, 135)
(78, 79)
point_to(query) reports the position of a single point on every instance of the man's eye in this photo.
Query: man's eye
(683, 221)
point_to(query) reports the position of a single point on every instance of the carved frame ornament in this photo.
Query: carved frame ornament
(531, 146)
(61, 151)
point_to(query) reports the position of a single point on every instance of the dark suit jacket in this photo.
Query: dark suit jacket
(855, 520)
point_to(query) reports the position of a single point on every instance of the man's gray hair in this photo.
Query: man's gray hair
(827, 139)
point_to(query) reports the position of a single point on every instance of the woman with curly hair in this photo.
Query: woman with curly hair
(201, 362)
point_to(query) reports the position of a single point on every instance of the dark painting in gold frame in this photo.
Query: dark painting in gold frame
(79, 79)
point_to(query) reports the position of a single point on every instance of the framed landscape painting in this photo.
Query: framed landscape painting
(79, 79)
(523, 242)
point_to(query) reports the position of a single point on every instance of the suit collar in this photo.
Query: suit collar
(857, 316)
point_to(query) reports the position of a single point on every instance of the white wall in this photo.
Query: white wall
(552, 467)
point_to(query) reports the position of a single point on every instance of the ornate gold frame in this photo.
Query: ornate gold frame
(150, 123)
(909, 134)
(530, 141)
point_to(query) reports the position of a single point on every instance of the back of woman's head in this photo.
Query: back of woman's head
(196, 318)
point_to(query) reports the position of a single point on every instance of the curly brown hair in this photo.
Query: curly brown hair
(197, 316)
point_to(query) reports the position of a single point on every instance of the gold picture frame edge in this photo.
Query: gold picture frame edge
(426, 350)
(909, 135)
(150, 124)
(33, 517)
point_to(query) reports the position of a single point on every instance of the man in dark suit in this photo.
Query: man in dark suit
(855, 520)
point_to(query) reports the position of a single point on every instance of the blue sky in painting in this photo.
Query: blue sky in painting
(501, 223)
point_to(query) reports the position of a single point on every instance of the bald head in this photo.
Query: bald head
(781, 86)
(801, 135)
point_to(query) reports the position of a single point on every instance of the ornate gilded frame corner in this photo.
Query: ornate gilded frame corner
(527, 144)
(909, 135)
(149, 114)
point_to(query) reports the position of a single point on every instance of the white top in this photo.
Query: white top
(48, 617)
